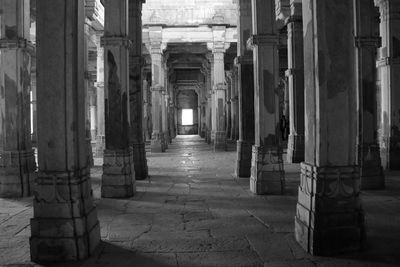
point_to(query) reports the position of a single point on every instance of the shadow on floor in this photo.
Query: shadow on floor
(108, 254)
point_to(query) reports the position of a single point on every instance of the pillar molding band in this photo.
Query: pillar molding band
(111, 41)
(263, 40)
(368, 41)
(137, 60)
(293, 19)
(290, 72)
(387, 61)
(20, 43)
(157, 88)
(243, 60)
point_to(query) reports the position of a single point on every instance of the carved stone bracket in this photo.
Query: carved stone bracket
(368, 41)
(19, 43)
(111, 41)
(387, 61)
(263, 39)
(243, 60)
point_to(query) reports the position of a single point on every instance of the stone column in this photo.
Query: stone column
(65, 225)
(207, 94)
(147, 109)
(17, 161)
(118, 179)
(172, 118)
(295, 75)
(87, 97)
(135, 90)
(244, 63)
(329, 217)
(157, 90)
(100, 132)
(212, 101)
(33, 102)
(219, 90)
(157, 137)
(228, 104)
(367, 42)
(389, 67)
(203, 107)
(234, 107)
(208, 116)
(267, 173)
(164, 113)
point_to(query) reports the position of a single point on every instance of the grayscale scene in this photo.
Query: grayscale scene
(199, 133)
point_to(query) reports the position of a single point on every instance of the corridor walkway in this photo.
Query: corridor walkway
(193, 212)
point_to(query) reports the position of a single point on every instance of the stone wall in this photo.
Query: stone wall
(189, 12)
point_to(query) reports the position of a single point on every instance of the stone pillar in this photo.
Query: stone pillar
(65, 225)
(135, 90)
(172, 118)
(389, 67)
(228, 104)
(87, 97)
(329, 217)
(157, 137)
(203, 107)
(33, 102)
(208, 116)
(295, 75)
(244, 63)
(118, 179)
(267, 173)
(208, 105)
(100, 132)
(212, 101)
(164, 117)
(147, 110)
(17, 161)
(219, 91)
(234, 107)
(157, 90)
(367, 42)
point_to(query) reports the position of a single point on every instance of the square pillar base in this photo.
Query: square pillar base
(100, 145)
(118, 180)
(89, 152)
(220, 141)
(212, 137)
(140, 161)
(65, 225)
(295, 151)
(329, 217)
(157, 143)
(165, 141)
(267, 173)
(243, 162)
(208, 137)
(17, 173)
(372, 176)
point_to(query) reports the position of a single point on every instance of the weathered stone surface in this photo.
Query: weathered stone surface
(118, 178)
(17, 162)
(367, 42)
(211, 212)
(295, 76)
(64, 224)
(329, 212)
(388, 64)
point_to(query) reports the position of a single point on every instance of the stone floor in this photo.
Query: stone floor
(193, 212)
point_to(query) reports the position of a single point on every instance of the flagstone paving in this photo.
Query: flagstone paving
(192, 211)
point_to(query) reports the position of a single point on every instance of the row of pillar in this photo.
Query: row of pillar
(335, 129)
(65, 225)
